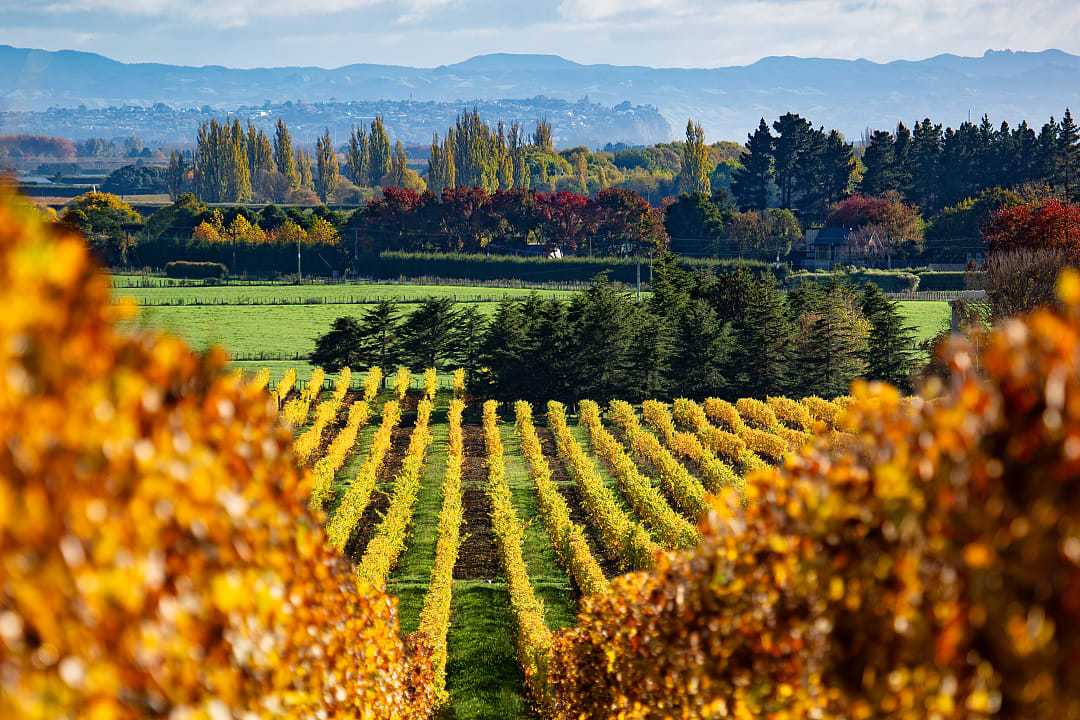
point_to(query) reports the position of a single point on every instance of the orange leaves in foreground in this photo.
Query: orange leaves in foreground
(156, 558)
(926, 566)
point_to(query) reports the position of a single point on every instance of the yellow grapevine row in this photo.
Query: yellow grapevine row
(457, 382)
(566, 535)
(356, 498)
(715, 473)
(533, 635)
(748, 427)
(325, 413)
(260, 379)
(684, 488)
(823, 410)
(435, 615)
(372, 383)
(386, 544)
(401, 382)
(761, 416)
(727, 445)
(431, 383)
(285, 385)
(296, 410)
(327, 466)
(624, 539)
(792, 413)
(671, 529)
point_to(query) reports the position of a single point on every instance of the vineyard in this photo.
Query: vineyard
(179, 539)
(432, 495)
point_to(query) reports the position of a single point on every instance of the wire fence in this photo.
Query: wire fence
(939, 295)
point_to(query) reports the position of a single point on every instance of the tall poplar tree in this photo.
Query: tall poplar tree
(357, 160)
(326, 162)
(694, 177)
(284, 156)
(303, 167)
(378, 152)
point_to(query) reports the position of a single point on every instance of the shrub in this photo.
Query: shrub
(157, 556)
(195, 269)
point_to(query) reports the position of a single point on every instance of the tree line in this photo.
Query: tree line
(700, 334)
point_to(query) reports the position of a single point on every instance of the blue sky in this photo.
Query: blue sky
(683, 33)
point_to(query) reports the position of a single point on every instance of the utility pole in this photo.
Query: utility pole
(299, 276)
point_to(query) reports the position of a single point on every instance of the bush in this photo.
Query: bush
(158, 558)
(136, 180)
(195, 270)
(921, 564)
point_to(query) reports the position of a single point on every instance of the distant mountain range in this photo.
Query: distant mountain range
(850, 95)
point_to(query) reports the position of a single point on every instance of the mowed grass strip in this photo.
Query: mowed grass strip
(410, 579)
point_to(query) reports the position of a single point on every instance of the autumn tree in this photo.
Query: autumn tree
(694, 177)
(328, 176)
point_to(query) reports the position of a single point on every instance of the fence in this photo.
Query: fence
(940, 295)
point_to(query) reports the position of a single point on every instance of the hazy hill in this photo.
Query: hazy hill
(847, 94)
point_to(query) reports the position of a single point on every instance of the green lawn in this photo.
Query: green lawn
(926, 317)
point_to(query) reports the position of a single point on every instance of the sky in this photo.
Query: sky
(427, 33)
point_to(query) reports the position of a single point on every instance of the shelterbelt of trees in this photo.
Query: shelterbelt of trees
(909, 196)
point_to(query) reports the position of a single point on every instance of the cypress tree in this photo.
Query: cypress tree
(833, 346)
(341, 346)
(1067, 166)
(648, 362)
(764, 335)
(701, 353)
(427, 335)
(879, 159)
(503, 370)
(468, 344)
(890, 352)
(548, 368)
(379, 330)
(603, 333)
(838, 165)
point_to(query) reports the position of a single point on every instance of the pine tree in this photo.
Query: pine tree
(752, 183)
(695, 161)
(327, 165)
(648, 360)
(925, 162)
(548, 350)
(890, 353)
(379, 152)
(603, 332)
(1067, 166)
(357, 160)
(379, 330)
(427, 335)
(879, 161)
(838, 166)
(791, 144)
(284, 156)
